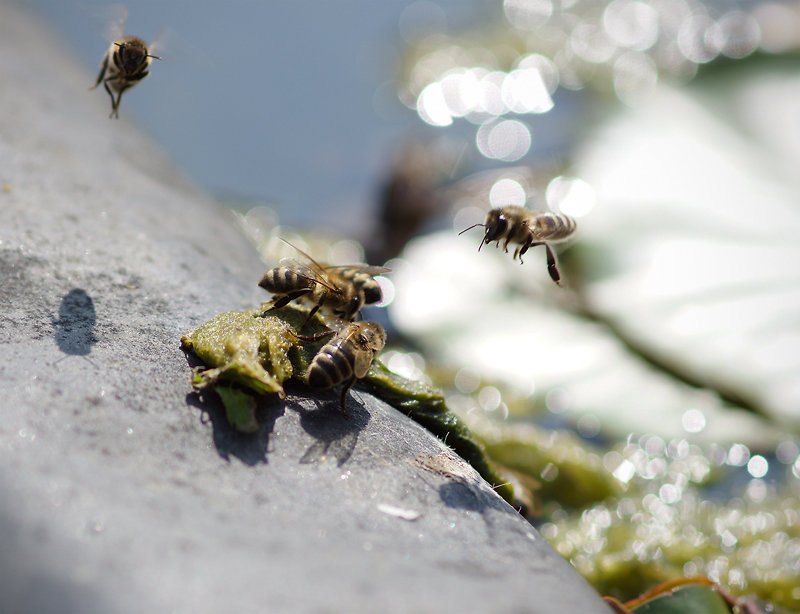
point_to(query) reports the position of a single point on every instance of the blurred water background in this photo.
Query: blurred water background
(291, 103)
(669, 129)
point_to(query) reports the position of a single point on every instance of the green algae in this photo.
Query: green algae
(567, 470)
(240, 408)
(244, 348)
(256, 351)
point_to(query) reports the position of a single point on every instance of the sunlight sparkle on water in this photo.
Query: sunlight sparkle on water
(527, 14)
(524, 91)
(738, 455)
(507, 140)
(432, 107)
(693, 421)
(570, 195)
(757, 466)
(632, 24)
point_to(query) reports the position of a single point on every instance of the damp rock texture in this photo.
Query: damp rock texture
(122, 490)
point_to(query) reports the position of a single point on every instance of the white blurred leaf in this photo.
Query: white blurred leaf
(698, 219)
(486, 312)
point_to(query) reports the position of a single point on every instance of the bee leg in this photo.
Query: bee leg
(281, 302)
(114, 104)
(522, 249)
(345, 388)
(316, 307)
(552, 265)
(317, 337)
(285, 299)
(102, 73)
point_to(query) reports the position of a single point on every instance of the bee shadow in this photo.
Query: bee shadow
(74, 328)
(335, 434)
(250, 448)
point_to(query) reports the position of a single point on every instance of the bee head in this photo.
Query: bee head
(133, 53)
(496, 225)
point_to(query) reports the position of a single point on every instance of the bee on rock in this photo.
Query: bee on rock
(339, 290)
(526, 229)
(126, 62)
(345, 358)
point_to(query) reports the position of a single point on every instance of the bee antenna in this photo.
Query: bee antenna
(155, 57)
(470, 228)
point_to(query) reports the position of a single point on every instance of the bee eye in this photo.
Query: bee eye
(496, 228)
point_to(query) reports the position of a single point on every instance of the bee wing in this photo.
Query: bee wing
(306, 272)
(362, 362)
(478, 186)
(158, 46)
(115, 16)
(362, 268)
(316, 266)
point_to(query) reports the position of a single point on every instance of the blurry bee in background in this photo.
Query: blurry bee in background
(527, 229)
(340, 291)
(410, 197)
(347, 357)
(126, 62)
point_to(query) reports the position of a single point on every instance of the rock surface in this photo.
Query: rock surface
(121, 489)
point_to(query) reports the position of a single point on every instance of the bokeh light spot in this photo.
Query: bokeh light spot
(632, 24)
(506, 192)
(693, 421)
(507, 140)
(432, 107)
(524, 91)
(570, 195)
(738, 455)
(527, 14)
(757, 466)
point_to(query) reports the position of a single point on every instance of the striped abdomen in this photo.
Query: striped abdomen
(284, 280)
(364, 283)
(547, 226)
(332, 365)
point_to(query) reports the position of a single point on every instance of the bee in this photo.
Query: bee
(341, 290)
(527, 228)
(345, 358)
(125, 63)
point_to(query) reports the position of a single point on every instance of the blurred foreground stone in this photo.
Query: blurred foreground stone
(121, 489)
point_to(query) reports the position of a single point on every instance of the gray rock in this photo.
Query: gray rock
(121, 489)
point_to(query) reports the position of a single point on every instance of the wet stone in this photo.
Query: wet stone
(123, 489)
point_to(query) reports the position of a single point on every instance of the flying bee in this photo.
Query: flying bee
(125, 63)
(345, 358)
(340, 290)
(527, 228)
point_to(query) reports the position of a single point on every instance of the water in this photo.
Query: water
(292, 103)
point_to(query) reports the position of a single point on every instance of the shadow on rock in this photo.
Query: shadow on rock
(250, 448)
(74, 328)
(459, 495)
(335, 434)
